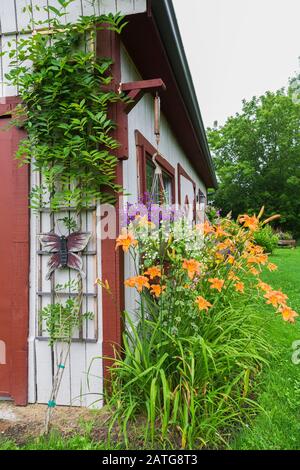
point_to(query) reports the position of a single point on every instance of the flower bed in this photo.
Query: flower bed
(197, 338)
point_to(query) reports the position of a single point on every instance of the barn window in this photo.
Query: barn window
(158, 195)
(145, 151)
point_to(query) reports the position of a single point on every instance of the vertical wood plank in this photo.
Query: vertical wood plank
(24, 18)
(40, 15)
(74, 11)
(8, 16)
(107, 6)
(78, 374)
(54, 4)
(140, 6)
(126, 7)
(43, 371)
(89, 7)
(64, 396)
(94, 368)
(8, 90)
(1, 69)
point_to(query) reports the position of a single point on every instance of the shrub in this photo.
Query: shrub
(266, 238)
(195, 344)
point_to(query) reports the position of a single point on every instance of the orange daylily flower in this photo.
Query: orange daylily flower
(138, 282)
(239, 287)
(254, 271)
(153, 272)
(206, 227)
(220, 232)
(230, 259)
(233, 277)
(250, 222)
(263, 286)
(288, 314)
(259, 258)
(262, 258)
(272, 267)
(157, 290)
(130, 282)
(224, 245)
(192, 266)
(216, 283)
(219, 256)
(202, 303)
(126, 240)
(275, 298)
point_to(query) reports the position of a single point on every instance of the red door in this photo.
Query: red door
(14, 266)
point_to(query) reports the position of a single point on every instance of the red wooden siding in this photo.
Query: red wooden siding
(108, 45)
(14, 267)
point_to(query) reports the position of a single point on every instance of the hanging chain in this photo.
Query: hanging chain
(158, 178)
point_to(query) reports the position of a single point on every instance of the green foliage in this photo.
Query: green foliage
(190, 387)
(55, 441)
(278, 389)
(188, 366)
(266, 238)
(66, 94)
(212, 213)
(63, 317)
(257, 158)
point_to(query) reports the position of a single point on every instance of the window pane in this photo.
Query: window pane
(158, 197)
(150, 169)
(168, 188)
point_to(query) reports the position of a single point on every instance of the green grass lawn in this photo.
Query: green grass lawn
(278, 391)
(279, 396)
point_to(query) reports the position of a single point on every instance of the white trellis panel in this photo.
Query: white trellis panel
(87, 343)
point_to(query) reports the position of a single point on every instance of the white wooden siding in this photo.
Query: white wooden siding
(142, 119)
(14, 21)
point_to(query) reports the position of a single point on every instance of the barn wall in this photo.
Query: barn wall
(14, 21)
(142, 119)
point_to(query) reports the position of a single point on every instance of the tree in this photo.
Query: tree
(257, 158)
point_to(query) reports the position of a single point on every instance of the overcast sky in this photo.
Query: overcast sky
(237, 49)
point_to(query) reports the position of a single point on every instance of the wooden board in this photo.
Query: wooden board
(14, 268)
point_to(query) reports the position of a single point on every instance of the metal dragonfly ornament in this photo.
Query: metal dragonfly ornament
(65, 250)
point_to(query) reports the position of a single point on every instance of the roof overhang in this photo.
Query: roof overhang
(154, 43)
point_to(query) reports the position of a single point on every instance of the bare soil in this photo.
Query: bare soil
(21, 424)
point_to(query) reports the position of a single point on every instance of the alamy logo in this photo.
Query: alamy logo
(2, 352)
(296, 353)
